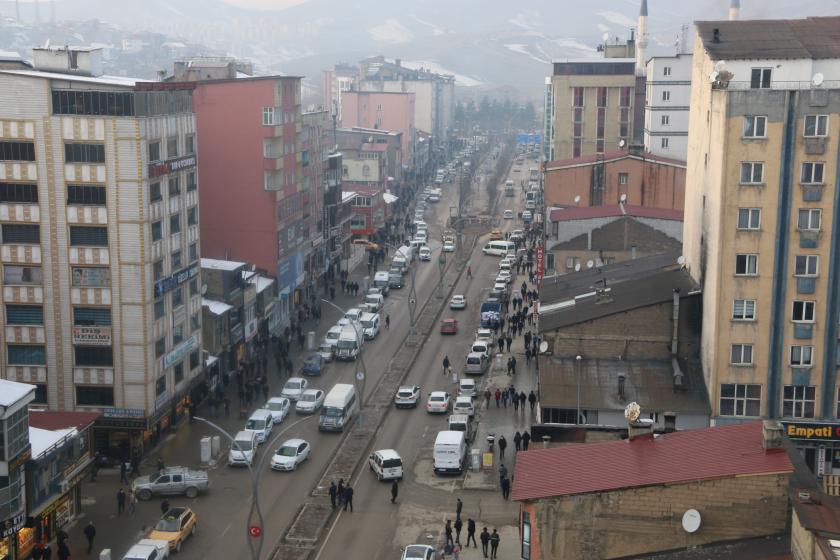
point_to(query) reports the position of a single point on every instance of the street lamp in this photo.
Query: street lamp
(442, 268)
(577, 379)
(255, 514)
(360, 377)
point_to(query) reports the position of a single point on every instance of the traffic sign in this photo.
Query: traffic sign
(360, 375)
(255, 531)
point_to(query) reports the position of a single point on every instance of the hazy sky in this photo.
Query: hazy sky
(265, 4)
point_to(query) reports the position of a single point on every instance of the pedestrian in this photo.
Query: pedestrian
(515, 398)
(502, 473)
(522, 398)
(527, 354)
(333, 493)
(487, 396)
(459, 505)
(494, 543)
(38, 551)
(120, 501)
(502, 446)
(508, 341)
(528, 338)
(498, 397)
(485, 539)
(395, 489)
(471, 532)
(46, 550)
(340, 491)
(164, 507)
(532, 399)
(348, 498)
(445, 364)
(458, 526)
(90, 533)
(132, 501)
(517, 439)
(513, 365)
(501, 343)
(526, 439)
(504, 398)
(448, 531)
(505, 488)
(160, 466)
(227, 404)
(387, 321)
(63, 551)
(123, 473)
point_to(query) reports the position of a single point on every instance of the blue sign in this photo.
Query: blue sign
(289, 270)
(167, 284)
(528, 138)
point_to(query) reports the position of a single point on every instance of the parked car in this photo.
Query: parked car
(325, 350)
(171, 481)
(448, 326)
(279, 408)
(148, 549)
(370, 325)
(313, 364)
(438, 402)
(386, 464)
(466, 387)
(504, 275)
(458, 301)
(175, 527)
(448, 247)
(407, 396)
(261, 423)
(508, 214)
(464, 405)
(293, 388)
(289, 455)
(425, 253)
(310, 401)
(332, 335)
(496, 235)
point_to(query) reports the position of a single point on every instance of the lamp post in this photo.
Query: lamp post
(412, 304)
(360, 377)
(442, 268)
(577, 379)
(255, 514)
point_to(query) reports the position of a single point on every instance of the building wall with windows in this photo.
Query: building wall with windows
(382, 110)
(100, 243)
(666, 105)
(761, 226)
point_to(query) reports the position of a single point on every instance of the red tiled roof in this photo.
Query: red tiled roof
(608, 211)
(610, 156)
(701, 454)
(59, 419)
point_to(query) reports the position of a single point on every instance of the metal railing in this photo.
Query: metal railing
(777, 85)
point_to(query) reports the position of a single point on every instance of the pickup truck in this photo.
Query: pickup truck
(148, 549)
(172, 480)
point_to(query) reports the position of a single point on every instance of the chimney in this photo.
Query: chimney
(642, 428)
(772, 431)
(621, 381)
(641, 43)
(734, 10)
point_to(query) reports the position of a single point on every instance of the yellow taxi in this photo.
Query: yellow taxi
(174, 527)
(496, 234)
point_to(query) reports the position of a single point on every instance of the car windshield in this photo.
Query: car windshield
(332, 411)
(287, 451)
(308, 397)
(313, 360)
(242, 445)
(415, 553)
(294, 385)
(367, 324)
(436, 398)
(276, 405)
(253, 424)
(168, 525)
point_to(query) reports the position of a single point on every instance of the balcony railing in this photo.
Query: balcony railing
(776, 85)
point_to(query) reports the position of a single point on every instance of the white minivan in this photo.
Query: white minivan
(386, 464)
(340, 406)
(375, 302)
(498, 248)
(450, 452)
(244, 450)
(261, 423)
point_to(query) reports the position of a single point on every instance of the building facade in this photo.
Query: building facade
(14, 425)
(337, 80)
(382, 110)
(762, 228)
(666, 105)
(548, 121)
(100, 243)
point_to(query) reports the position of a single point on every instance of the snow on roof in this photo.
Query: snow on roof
(42, 440)
(348, 195)
(216, 307)
(9, 55)
(216, 264)
(389, 198)
(106, 80)
(12, 391)
(262, 282)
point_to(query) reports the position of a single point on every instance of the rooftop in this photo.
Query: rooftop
(736, 450)
(216, 264)
(216, 307)
(616, 210)
(58, 419)
(42, 440)
(812, 37)
(12, 391)
(104, 80)
(607, 157)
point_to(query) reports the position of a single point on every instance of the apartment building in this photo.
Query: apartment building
(337, 80)
(666, 105)
(100, 243)
(548, 121)
(390, 111)
(762, 229)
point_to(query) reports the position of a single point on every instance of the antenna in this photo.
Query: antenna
(817, 79)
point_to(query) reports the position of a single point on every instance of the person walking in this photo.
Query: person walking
(348, 498)
(526, 439)
(445, 365)
(532, 399)
(487, 396)
(502, 447)
(501, 343)
(513, 365)
(395, 489)
(340, 492)
(494, 543)
(498, 397)
(333, 493)
(527, 354)
(505, 488)
(502, 473)
(448, 532)
(515, 398)
(517, 439)
(132, 501)
(120, 501)
(90, 533)
(164, 507)
(63, 551)
(458, 526)
(508, 341)
(522, 398)
(459, 505)
(471, 532)
(387, 321)
(485, 540)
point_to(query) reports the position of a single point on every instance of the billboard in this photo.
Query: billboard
(528, 138)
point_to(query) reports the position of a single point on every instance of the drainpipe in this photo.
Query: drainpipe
(676, 321)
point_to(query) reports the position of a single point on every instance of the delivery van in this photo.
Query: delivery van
(461, 423)
(244, 450)
(450, 452)
(340, 406)
(498, 248)
(380, 280)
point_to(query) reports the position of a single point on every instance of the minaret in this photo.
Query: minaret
(641, 41)
(734, 9)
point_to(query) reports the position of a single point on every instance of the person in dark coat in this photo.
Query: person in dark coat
(471, 532)
(522, 398)
(340, 491)
(348, 498)
(120, 501)
(485, 540)
(333, 493)
(502, 446)
(458, 526)
(164, 507)
(526, 439)
(494, 543)
(63, 551)
(395, 489)
(532, 399)
(90, 533)
(517, 440)
(448, 531)
(505, 488)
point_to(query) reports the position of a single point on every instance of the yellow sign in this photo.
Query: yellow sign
(487, 460)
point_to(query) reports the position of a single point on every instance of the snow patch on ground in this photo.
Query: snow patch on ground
(616, 18)
(566, 43)
(460, 79)
(529, 19)
(435, 29)
(391, 32)
(523, 49)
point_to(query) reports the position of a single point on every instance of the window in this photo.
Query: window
(666, 95)
(577, 147)
(755, 126)
(94, 355)
(176, 260)
(27, 355)
(743, 310)
(191, 184)
(90, 236)
(17, 151)
(194, 360)
(160, 308)
(84, 153)
(602, 97)
(14, 275)
(813, 172)
(174, 186)
(816, 125)
(358, 222)
(40, 393)
(160, 386)
(108, 103)
(24, 315)
(752, 173)
(193, 252)
(192, 216)
(801, 356)
(94, 396)
(189, 144)
(623, 178)
(154, 151)
(160, 347)
(526, 536)
(571, 262)
(19, 233)
(798, 401)
(19, 192)
(178, 334)
(194, 287)
(177, 297)
(362, 201)
(749, 218)
(803, 311)
(154, 190)
(760, 78)
(178, 372)
(746, 265)
(158, 270)
(268, 116)
(664, 143)
(92, 316)
(740, 400)
(195, 321)
(741, 355)
(809, 219)
(806, 265)
(578, 97)
(171, 147)
(666, 120)
(93, 195)
(666, 71)
(174, 223)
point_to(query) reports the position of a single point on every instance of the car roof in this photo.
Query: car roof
(467, 381)
(260, 414)
(463, 398)
(368, 316)
(475, 355)
(388, 453)
(312, 391)
(294, 442)
(277, 399)
(298, 379)
(462, 296)
(437, 394)
(174, 513)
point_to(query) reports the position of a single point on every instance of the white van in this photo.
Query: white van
(340, 406)
(476, 364)
(450, 452)
(370, 325)
(349, 342)
(380, 280)
(375, 302)
(498, 248)
(244, 451)
(386, 464)
(354, 314)
(261, 423)
(461, 423)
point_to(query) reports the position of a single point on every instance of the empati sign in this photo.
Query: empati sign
(817, 432)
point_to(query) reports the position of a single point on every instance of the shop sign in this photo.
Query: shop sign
(12, 525)
(162, 400)
(123, 413)
(250, 329)
(20, 459)
(62, 512)
(540, 257)
(172, 282)
(92, 336)
(171, 165)
(180, 351)
(812, 431)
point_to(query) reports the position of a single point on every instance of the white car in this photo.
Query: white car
(517, 234)
(407, 396)
(425, 253)
(504, 275)
(326, 351)
(289, 455)
(294, 388)
(500, 286)
(458, 301)
(279, 408)
(370, 325)
(421, 235)
(508, 214)
(464, 405)
(332, 335)
(310, 401)
(448, 247)
(506, 262)
(418, 552)
(438, 402)
(466, 387)
(484, 334)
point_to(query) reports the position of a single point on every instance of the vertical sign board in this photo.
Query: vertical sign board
(821, 461)
(540, 264)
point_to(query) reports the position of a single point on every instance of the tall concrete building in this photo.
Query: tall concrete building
(668, 92)
(392, 111)
(337, 80)
(548, 121)
(762, 229)
(100, 242)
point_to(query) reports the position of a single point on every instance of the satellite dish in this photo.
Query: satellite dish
(817, 79)
(203, 289)
(713, 77)
(590, 263)
(720, 65)
(543, 346)
(577, 267)
(577, 199)
(622, 143)
(632, 411)
(691, 521)
(623, 198)
(681, 260)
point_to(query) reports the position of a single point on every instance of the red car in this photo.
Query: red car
(449, 326)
